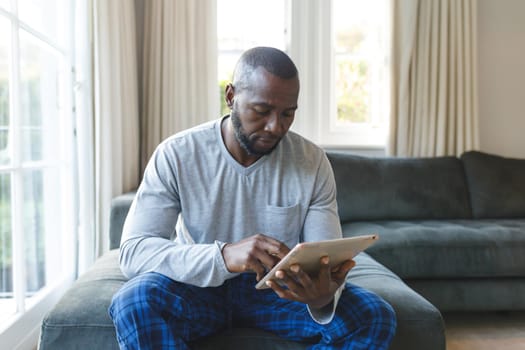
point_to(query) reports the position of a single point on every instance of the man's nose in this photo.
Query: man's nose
(274, 124)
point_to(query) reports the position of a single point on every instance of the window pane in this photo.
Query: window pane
(352, 87)
(39, 99)
(5, 32)
(361, 57)
(242, 25)
(42, 227)
(7, 304)
(5, 4)
(34, 231)
(46, 16)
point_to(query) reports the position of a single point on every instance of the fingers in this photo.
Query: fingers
(286, 287)
(324, 273)
(340, 272)
(267, 252)
(297, 285)
(261, 261)
(296, 280)
(302, 287)
(257, 260)
(273, 247)
(280, 291)
(257, 253)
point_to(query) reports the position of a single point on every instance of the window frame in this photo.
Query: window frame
(315, 60)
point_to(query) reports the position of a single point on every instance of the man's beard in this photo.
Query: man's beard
(244, 140)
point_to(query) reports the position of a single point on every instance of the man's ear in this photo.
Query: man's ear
(228, 95)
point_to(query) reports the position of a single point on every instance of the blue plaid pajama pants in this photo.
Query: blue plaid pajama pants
(152, 311)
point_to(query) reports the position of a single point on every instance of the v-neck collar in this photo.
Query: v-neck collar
(239, 168)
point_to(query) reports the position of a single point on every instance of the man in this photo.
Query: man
(219, 205)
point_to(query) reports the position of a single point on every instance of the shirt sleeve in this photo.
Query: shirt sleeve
(148, 243)
(321, 223)
(322, 219)
(326, 314)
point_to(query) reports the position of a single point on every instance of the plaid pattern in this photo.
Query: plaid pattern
(152, 311)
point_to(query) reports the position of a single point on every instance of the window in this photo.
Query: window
(361, 33)
(341, 48)
(238, 31)
(36, 159)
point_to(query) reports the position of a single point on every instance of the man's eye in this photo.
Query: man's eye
(262, 111)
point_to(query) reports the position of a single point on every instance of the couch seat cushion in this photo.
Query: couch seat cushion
(419, 323)
(80, 319)
(447, 249)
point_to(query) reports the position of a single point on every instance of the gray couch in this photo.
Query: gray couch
(452, 232)
(452, 229)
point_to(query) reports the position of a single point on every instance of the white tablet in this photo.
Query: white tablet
(308, 254)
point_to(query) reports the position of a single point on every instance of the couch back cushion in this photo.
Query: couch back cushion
(399, 188)
(496, 185)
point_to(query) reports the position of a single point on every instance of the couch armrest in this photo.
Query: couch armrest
(119, 210)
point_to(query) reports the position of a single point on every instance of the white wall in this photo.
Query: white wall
(501, 74)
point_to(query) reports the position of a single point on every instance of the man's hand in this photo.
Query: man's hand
(316, 291)
(258, 253)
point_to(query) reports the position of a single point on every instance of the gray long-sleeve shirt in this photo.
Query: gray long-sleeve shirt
(195, 196)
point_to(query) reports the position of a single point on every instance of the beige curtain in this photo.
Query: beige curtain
(179, 69)
(174, 51)
(115, 108)
(434, 79)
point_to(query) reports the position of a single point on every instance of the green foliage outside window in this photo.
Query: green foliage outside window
(350, 40)
(222, 87)
(352, 91)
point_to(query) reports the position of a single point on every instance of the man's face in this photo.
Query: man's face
(263, 112)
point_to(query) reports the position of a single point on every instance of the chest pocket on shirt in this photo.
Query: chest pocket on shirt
(283, 223)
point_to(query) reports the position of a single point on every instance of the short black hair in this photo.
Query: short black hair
(271, 59)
